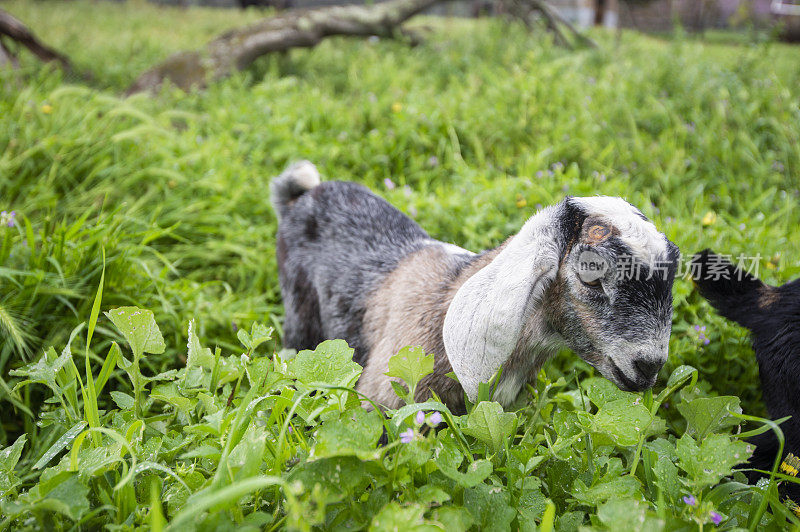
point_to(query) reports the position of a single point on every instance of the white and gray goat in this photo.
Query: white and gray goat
(593, 274)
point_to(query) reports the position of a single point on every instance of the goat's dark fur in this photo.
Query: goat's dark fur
(772, 314)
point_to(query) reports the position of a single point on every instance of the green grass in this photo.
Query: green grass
(475, 127)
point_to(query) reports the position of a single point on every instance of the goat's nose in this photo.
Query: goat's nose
(647, 367)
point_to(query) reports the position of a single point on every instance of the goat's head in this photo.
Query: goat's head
(592, 271)
(611, 299)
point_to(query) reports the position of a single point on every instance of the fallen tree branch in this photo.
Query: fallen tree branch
(238, 48)
(15, 30)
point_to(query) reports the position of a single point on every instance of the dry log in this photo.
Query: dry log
(238, 48)
(13, 29)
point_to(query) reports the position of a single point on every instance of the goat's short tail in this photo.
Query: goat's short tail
(735, 293)
(295, 181)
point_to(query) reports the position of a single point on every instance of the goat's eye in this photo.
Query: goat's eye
(593, 284)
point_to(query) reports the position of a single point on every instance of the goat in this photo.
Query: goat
(352, 266)
(772, 314)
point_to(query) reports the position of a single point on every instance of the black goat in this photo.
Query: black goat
(772, 314)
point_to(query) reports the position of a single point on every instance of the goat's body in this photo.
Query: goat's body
(772, 314)
(338, 241)
(354, 267)
(343, 245)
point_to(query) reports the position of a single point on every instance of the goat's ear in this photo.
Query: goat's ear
(486, 317)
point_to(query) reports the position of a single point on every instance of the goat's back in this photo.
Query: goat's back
(336, 242)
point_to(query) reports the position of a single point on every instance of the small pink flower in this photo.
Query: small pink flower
(407, 435)
(435, 419)
(419, 419)
(388, 183)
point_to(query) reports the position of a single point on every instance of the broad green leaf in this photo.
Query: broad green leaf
(667, 479)
(345, 474)
(453, 518)
(66, 488)
(169, 375)
(44, 370)
(624, 420)
(662, 447)
(705, 415)
(628, 515)
(677, 379)
(176, 495)
(566, 521)
(448, 459)
(139, 328)
(353, 433)
(257, 371)
(533, 502)
(489, 424)
(680, 375)
(618, 487)
(570, 426)
(8, 461)
(259, 333)
(601, 391)
(244, 338)
(430, 494)
(202, 451)
(331, 363)
(393, 517)
(9, 456)
(713, 459)
(490, 506)
(197, 355)
(416, 453)
(169, 393)
(98, 460)
(122, 399)
(402, 392)
(411, 364)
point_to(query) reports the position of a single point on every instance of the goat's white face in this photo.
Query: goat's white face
(612, 297)
(594, 271)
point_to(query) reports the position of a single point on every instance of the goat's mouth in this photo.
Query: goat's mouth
(627, 384)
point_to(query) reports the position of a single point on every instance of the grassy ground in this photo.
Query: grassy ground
(468, 133)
